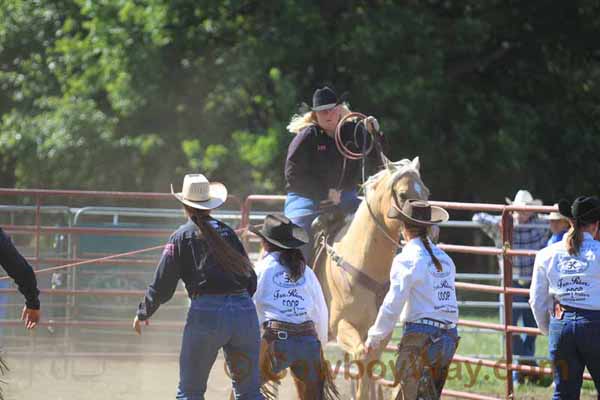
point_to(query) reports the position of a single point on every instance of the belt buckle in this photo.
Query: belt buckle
(282, 335)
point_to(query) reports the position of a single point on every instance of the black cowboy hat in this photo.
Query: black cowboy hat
(280, 231)
(325, 98)
(585, 209)
(418, 212)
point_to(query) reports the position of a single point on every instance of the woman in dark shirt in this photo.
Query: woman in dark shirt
(316, 173)
(220, 280)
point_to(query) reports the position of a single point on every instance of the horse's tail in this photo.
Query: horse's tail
(330, 390)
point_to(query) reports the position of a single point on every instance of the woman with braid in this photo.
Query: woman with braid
(422, 289)
(565, 298)
(219, 278)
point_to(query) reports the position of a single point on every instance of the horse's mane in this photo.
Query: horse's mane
(397, 169)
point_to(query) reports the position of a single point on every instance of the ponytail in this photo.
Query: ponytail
(574, 238)
(292, 259)
(227, 257)
(421, 232)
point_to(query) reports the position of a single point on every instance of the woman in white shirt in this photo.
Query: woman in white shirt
(422, 289)
(565, 298)
(292, 311)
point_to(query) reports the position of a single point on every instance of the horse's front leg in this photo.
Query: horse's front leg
(351, 340)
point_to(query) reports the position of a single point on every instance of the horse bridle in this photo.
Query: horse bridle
(378, 223)
(380, 289)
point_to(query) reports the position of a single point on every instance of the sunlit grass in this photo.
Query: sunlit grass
(480, 379)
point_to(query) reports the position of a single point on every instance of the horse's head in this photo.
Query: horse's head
(401, 180)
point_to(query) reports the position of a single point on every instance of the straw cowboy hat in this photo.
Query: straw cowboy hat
(419, 212)
(584, 209)
(554, 215)
(524, 198)
(281, 232)
(198, 192)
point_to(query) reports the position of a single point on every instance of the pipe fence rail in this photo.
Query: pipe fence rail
(76, 264)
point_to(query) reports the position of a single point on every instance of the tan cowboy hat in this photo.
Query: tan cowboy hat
(554, 215)
(524, 198)
(198, 193)
(419, 212)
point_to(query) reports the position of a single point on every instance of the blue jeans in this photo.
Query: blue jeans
(425, 349)
(302, 354)
(220, 321)
(523, 345)
(303, 210)
(574, 344)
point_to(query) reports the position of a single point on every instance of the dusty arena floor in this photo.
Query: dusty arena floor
(97, 379)
(116, 364)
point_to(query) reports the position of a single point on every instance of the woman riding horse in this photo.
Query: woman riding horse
(316, 173)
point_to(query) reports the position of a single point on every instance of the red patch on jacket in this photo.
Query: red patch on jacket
(169, 250)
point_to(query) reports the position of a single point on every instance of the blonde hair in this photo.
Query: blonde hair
(301, 121)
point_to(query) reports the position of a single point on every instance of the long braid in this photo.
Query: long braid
(421, 232)
(425, 239)
(227, 257)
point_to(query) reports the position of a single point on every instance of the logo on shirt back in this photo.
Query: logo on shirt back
(321, 147)
(439, 274)
(569, 265)
(283, 280)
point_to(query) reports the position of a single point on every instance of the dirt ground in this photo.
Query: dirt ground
(101, 379)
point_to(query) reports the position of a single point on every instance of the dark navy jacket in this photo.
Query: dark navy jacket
(314, 165)
(19, 269)
(187, 257)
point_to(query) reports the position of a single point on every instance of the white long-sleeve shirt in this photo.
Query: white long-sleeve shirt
(279, 298)
(571, 280)
(417, 290)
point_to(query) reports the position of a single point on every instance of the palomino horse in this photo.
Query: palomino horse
(354, 271)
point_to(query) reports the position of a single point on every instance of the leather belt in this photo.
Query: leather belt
(195, 295)
(435, 323)
(572, 309)
(282, 330)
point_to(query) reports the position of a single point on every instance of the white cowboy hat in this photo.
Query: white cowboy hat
(554, 215)
(524, 198)
(198, 193)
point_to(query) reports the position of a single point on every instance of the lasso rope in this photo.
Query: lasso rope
(339, 143)
(365, 151)
(92, 261)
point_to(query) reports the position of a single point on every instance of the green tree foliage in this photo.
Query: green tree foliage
(131, 94)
